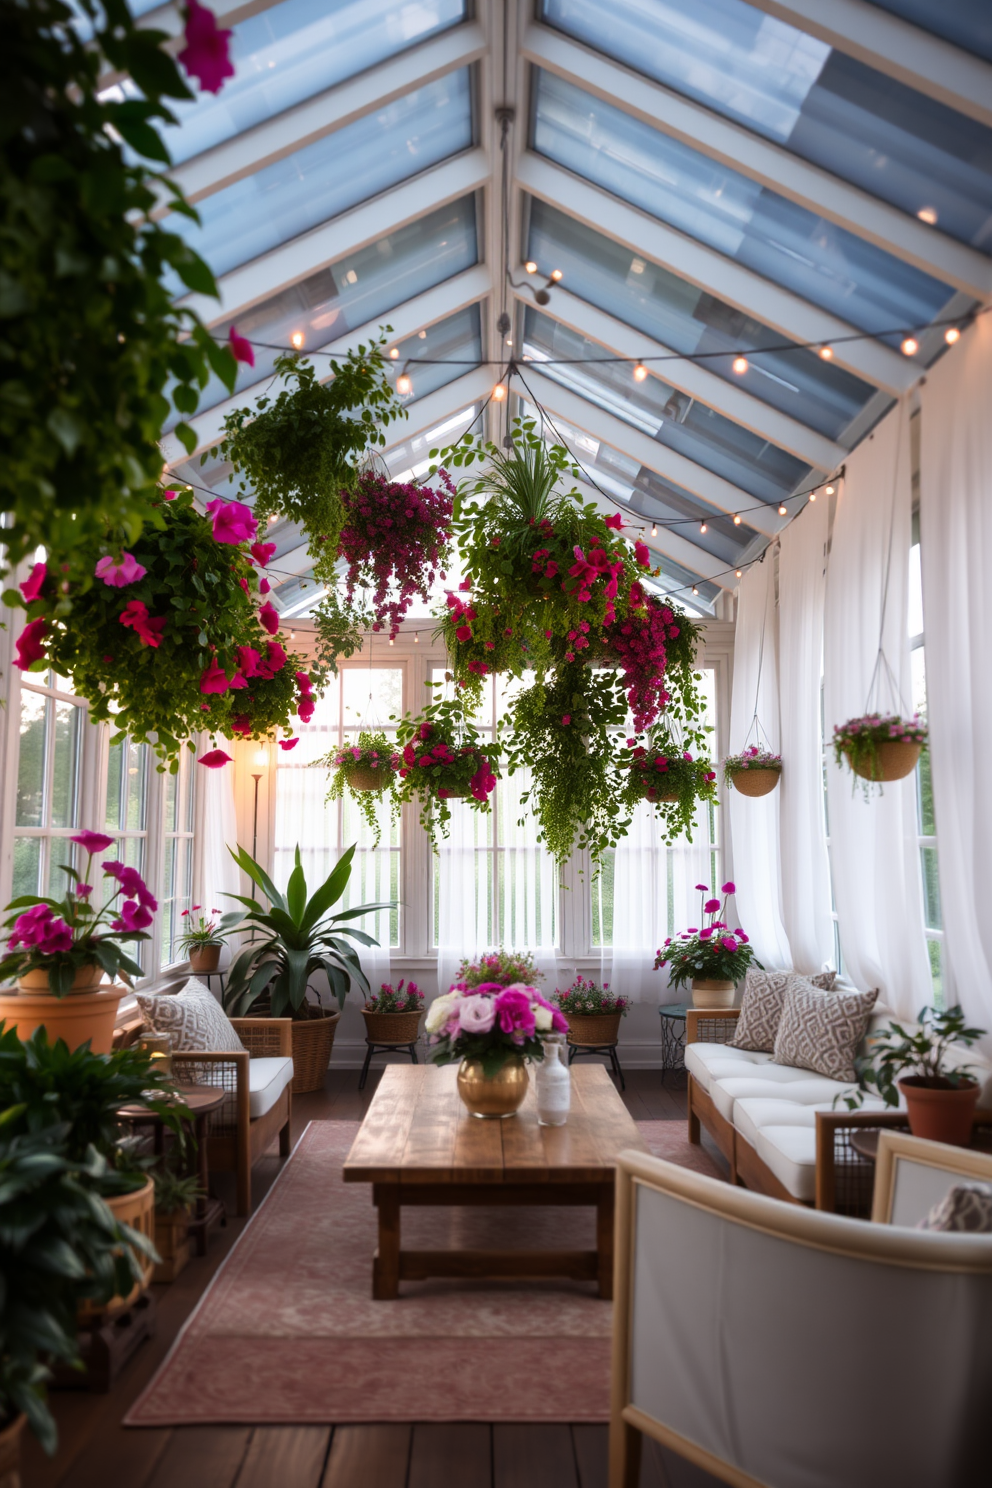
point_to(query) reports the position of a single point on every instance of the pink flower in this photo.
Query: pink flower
(275, 660)
(288, 743)
(728, 942)
(463, 633)
(92, 842)
(127, 571)
(83, 891)
(643, 554)
(29, 646)
(616, 521)
(476, 1014)
(703, 888)
(566, 719)
(206, 53)
(240, 348)
(741, 936)
(262, 552)
(515, 1014)
(728, 888)
(232, 521)
(147, 628)
(132, 884)
(133, 917)
(213, 679)
(264, 586)
(706, 932)
(31, 587)
(215, 759)
(711, 906)
(248, 661)
(169, 495)
(269, 617)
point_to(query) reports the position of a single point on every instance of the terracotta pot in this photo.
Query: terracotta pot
(592, 1029)
(941, 1113)
(10, 1453)
(136, 1209)
(893, 761)
(368, 777)
(171, 1242)
(392, 1028)
(313, 1039)
(81, 1016)
(205, 958)
(86, 979)
(707, 993)
(493, 1097)
(756, 782)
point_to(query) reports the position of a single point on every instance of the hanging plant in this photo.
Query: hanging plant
(651, 634)
(395, 540)
(298, 451)
(444, 758)
(753, 772)
(97, 351)
(165, 639)
(879, 747)
(368, 772)
(339, 629)
(673, 780)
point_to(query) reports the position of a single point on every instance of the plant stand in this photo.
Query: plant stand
(371, 1048)
(579, 1051)
(672, 1038)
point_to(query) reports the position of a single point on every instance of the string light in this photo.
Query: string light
(297, 339)
(654, 530)
(703, 527)
(831, 490)
(737, 519)
(416, 637)
(273, 518)
(910, 346)
(812, 495)
(403, 387)
(740, 365)
(739, 572)
(499, 393)
(928, 215)
(783, 511)
(951, 335)
(694, 589)
(557, 275)
(530, 266)
(640, 372)
(394, 352)
(827, 352)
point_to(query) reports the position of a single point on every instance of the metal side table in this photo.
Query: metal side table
(672, 1038)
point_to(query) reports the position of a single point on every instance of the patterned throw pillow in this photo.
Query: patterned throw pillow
(761, 1006)
(966, 1208)
(821, 1031)
(194, 1019)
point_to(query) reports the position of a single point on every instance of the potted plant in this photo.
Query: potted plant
(395, 540)
(339, 629)
(753, 772)
(175, 1195)
(490, 1030)
(60, 949)
(444, 758)
(712, 958)
(367, 770)
(880, 747)
(202, 939)
(651, 641)
(501, 967)
(298, 937)
(940, 1098)
(592, 1012)
(392, 1015)
(672, 780)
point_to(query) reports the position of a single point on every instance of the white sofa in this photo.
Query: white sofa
(786, 1131)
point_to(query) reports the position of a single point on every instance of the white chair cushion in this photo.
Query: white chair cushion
(790, 1152)
(807, 1090)
(706, 1061)
(267, 1079)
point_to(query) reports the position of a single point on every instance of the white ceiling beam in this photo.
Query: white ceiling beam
(721, 494)
(728, 398)
(775, 167)
(414, 315)
(795, 319)
(667, 544)
(891, 45)
(290, 262)
(298, 127)
(170, 19)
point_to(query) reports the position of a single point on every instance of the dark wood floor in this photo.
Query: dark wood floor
(97, 1452)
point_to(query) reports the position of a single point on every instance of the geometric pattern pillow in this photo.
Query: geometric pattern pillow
(964, 1208)
(761, 1006)
(194, 1019)
(821, 1031)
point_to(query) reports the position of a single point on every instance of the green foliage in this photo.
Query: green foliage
(444, 757)
(376, 753)
(90, 339)
(298, 450)
(339, 629)
(505, 967)
(663, 767)
(298, 937)
(897, 1053)
(174, 1191)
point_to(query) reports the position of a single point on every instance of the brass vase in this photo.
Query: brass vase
(493, 1096)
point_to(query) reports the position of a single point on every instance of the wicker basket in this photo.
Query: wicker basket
(893, 761)
(313, 1039)
(137, 1210)
(364, 777)
(172, 1243)
(756, 782)
(592, 1029)
(649, 793)
(455, 792)
(392, 1028)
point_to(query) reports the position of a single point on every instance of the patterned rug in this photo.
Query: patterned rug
(287, 1332)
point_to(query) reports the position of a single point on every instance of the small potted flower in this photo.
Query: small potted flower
(444, 758)
(60, 950)
(504, 967)
(392, 1015)
(592, 1012)
(711, 958)
(880, 747)
(940, 1096)
(366, 770)
(201, 940)
(489, 1030)
(753, 772)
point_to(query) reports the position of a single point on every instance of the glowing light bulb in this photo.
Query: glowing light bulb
(740, 365)
(951, 335)
(928, 215)
(292, 635)
(403, 385)
(640, 372)
(274, 517)
(557, 275)
(694, 589)
(910, 346)
(812, 495)
(739, 572)
(737, 519)
(416, 637)
(827, 353)
(830, 490)
(530, 266)
(394, 352)
(390, 642)
(654, 530)
(783, 511)
(297, 339)
(260, 758)
(499, 393)
(703, 527)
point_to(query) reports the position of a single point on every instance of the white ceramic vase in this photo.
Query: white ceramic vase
(553, 1084)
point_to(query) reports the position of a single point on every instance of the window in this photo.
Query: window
(49, 771)
(926, 826)
(177, 856)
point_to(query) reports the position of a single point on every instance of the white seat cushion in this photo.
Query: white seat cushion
(267, 1079)
(790, 1152)
(803, 1089)
(704, 1061)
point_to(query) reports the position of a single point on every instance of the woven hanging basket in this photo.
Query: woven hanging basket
(313, 1039)
(365, 777)
(756, 782)
(455, 792)
(392, 1028)
(592, 1029)
(652, 793)
(892, 761)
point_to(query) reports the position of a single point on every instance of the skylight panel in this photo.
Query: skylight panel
(965, 23)
(438, 355)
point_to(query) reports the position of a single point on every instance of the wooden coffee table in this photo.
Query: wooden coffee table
(419, 1145)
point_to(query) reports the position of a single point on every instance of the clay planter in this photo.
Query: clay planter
(171, 1242)
(710, 994)
(136, 1209)
(756, 782)
(313, 1039)
(79, 1017)
(591, 1029)
(10, 1453)
(941, 1113)
(892, 761)
(205, 958)
(365, 778)
(392, 1028)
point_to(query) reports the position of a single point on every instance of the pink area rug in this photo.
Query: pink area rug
(288, 1333)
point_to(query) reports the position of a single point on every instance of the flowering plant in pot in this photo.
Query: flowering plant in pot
(201, 939)
(671, 779)
(502, 967)
(940, 1096)
(592, 1012)
(443, 758)
(711, 957)
(395, 540)
(368, 771)
(754, 772)
(392, 1015)
(880, 747)
(489, 1030)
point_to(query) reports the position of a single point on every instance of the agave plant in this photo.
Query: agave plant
(299, 936)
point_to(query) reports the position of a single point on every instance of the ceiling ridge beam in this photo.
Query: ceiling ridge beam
(772, 165)
(794, 318)
(696, 380)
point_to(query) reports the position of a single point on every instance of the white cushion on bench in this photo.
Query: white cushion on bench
(790, 1152)
(804, 1090)
(267, 1079)
(707, 1061)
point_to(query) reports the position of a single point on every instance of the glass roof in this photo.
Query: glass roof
(966, 23)
(825, 106)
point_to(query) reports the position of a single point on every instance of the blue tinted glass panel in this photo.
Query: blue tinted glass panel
(967, 23)
(448, 350)
(293, 51)
(690, 320)
(359, 288)
(331, 175)
(678, 422)
(858, 123)
(739, 217)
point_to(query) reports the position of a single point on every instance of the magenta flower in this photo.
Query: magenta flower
(232, 521)
(215, 759)
(616, 521)
(566, 719)
(240, 348)
(31, 587)
(29, 644)
(169, 495)
(288, 743)
(728, 888)
(262, 552)
(706, 932)
(248, 661)
(703, 888)
(132, 917)
(643, 554)
(275, 660)
(515, 1014)
(728, 942)
(92, 842)
(711, 906)
(117, 574)
(213, 679)
(83, 891)
(269, 617)
(146, 627)
(132, 884)
(741, 936)
(206, 55)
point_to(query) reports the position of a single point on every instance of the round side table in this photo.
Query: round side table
(672, 1038)
(200, 1102)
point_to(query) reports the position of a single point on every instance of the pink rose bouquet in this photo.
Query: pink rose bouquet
(491, 1023)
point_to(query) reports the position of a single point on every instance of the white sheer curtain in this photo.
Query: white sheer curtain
(754, 822)
(873, 847)
(955, 541)
(464, 876)
(215, 872)
(805, 869)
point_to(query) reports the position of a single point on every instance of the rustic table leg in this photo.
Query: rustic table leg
(386, 1264)
(604, 1241)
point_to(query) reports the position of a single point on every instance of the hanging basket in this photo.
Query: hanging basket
(367, 778)
(756, 782)
(650, 793)
(892, 760)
